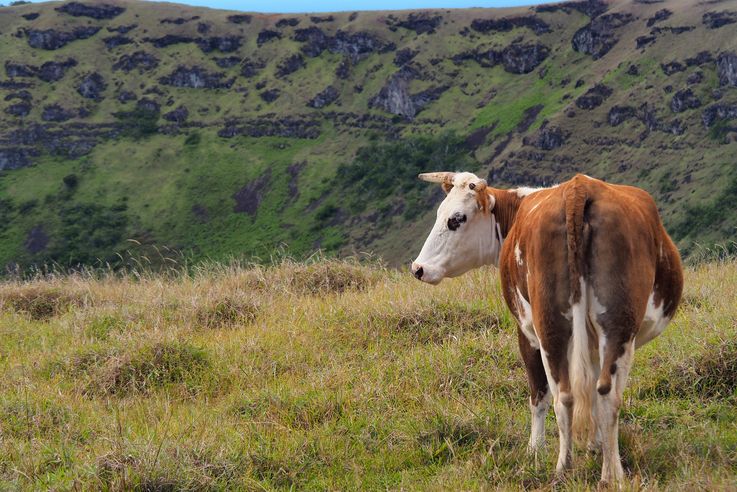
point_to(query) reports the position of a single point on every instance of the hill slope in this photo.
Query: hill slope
(152, 126)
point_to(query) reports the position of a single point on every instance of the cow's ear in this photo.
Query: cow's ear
(485, 200)
(446, 187)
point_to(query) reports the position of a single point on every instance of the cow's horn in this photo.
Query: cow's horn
(443, 177)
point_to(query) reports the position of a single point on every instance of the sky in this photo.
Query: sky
(295, 6)
(291, 6)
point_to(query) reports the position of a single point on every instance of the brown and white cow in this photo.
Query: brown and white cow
(589, 273)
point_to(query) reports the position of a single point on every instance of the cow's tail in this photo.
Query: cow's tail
(582, 374)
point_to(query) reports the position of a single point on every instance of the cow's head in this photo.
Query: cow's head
(465, 234)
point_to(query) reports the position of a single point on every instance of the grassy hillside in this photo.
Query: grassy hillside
(136, 129)
(330, 375)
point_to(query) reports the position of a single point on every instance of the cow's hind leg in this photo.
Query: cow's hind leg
(616, 365)
(539, 392)
(556, 370)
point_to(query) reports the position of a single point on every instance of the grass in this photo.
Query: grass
(332, 375)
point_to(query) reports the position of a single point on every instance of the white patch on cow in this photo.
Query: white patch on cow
(518, 254)
(537, 431)
(596, 308)
(562, 418)
(524, 313)
(539, 202)
(608, 418)
(524, 191)
(581, 369)
(654, 322)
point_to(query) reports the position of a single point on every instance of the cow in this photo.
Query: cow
(589, 273)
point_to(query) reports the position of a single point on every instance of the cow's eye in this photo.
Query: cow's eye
(456, 220)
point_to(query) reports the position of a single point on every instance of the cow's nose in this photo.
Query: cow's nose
(417, 271)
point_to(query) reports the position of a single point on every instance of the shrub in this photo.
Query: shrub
(192, 139)
(70, 181)
(139, 123)
(108, 372)
(226, 311)
(40, 302)
(323, 277)
(711, 372)
(434, 322)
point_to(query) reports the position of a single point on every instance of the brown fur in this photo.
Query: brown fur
(610, 235)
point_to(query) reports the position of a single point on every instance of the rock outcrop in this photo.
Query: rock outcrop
(196, 78)
(226, 44)
(715, 20)
(240, 18)
(50, 39)
(727, 69)
(403, 56)
(292, 127)
(547, 138)
(50, 71)
(716, 112)
(659, 16)
(92, 86)
(97, 11)
(535, 24)
(115, 41)
(251, 68)
(594, 97)
(122, 29)
(15, 158)
(20, 109)
(672, 67)
(591, 8)
(522, 58)
(517, 58)
(168, 40)
(419, 22)
(683, 100)
(57, 113)
(287, 22)
(395, 98)
(599, 36)
(137, 60)
(354, 45)
(267, 35)
(290, 65)
(270, 95)
(324, 98)
(178, 115)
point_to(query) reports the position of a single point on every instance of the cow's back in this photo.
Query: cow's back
(608, 236)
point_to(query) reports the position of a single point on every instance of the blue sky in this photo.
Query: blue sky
(351, 5)
(296, 6)
(291, 6)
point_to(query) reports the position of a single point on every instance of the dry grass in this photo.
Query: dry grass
(330, 375)
(40, 301)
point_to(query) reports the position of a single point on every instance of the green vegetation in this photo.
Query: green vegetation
(139, 123)
(168, 172)
(715, 215)
(334, 375)
(383, 171)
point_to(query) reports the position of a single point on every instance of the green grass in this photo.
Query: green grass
(330, 375)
